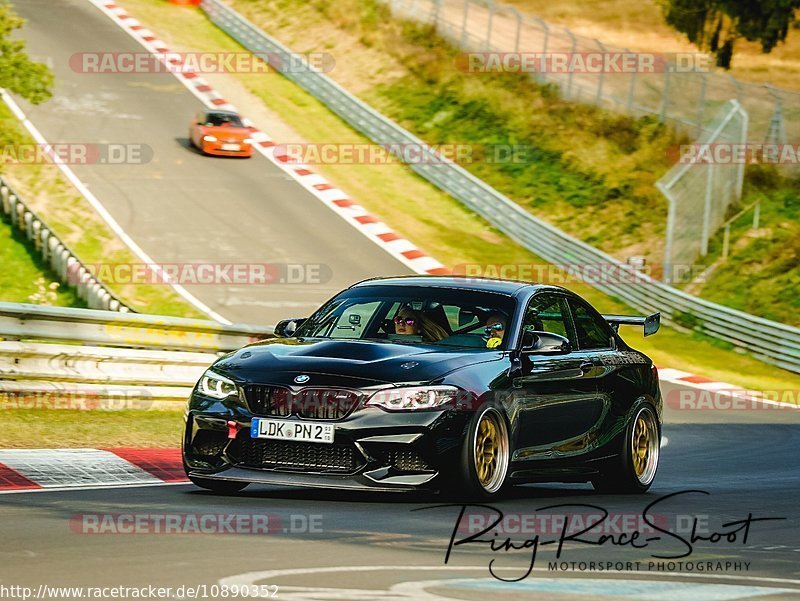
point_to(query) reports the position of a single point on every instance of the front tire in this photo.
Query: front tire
(485, 455)
(219, 486)
(636, 468)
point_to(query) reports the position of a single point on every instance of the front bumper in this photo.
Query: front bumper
(373, 449)
(215, 148)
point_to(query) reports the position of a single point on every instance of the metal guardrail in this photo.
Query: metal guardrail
(770, 341)
(102, 359)
(25, 322)
(56, 254)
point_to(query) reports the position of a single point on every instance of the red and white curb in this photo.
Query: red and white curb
(64, 469)
(713, 389)
(334, 198)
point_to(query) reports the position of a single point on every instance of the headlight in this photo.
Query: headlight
(210, 138)
(217, 386)
(413, 397)
(249, 141)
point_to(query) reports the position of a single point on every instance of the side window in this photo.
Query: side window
(546, 313)
(593, 331)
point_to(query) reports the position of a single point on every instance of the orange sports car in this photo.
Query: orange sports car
(220, 133)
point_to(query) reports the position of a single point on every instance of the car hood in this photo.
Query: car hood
(352, 363)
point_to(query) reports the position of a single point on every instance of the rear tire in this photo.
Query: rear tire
(485, 456)
(219, 486)
(635, 470)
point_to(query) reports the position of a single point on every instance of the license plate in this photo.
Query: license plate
(230, 147)
(291, 430)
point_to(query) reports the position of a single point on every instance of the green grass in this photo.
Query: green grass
(762, 273)
(23, 274)
(68, 215)
(44, 428)
(426, 216)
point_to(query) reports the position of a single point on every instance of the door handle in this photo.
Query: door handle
(587, 367)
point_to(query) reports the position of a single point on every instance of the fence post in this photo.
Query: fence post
(756, 215)
(776, 132)
(602, 76)
(518, 16)
(701, 104)
(665, 98)
(631, 88)
(464, 24)
(740, 175)
(490, 8)
(437, 8)
(542, 74)
(572, 51)
(707, 210)
(667, 263)
(726, 241)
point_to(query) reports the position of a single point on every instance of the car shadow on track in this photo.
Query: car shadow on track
(399, 498)
(186, 144)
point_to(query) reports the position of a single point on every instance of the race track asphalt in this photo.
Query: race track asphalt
(334, 545)
(182, 207)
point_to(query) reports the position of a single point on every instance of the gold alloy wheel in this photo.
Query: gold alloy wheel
(645, 446)
(491, 450)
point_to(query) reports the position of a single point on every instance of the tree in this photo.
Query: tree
(715, 25)
(18, 73)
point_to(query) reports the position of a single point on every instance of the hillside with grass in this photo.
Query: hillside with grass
(640, 25)
(590, 172)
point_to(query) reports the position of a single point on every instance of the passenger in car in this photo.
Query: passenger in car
(407, 321)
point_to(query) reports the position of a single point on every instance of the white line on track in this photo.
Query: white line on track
(91, 487)
(251, 578)
(103, 212)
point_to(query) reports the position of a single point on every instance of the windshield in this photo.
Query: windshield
(223, 119)
(415, 314)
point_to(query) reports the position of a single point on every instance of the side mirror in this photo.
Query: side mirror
(544, 343)
(287, 327)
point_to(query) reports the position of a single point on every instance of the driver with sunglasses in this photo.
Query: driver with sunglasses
(495, 330)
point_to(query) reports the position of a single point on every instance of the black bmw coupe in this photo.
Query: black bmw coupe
(434, 382)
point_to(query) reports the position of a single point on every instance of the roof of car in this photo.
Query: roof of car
(449, 281)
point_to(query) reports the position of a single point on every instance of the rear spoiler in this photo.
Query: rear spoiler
(651, 323)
